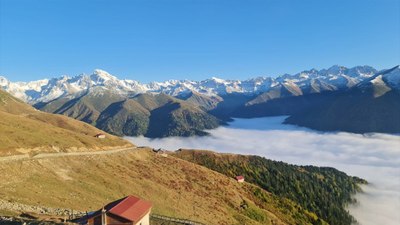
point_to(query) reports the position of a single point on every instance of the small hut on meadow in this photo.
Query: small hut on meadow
(102, 136)
(240, 179)
(130, 210)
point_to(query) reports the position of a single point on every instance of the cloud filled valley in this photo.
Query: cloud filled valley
(375, 157)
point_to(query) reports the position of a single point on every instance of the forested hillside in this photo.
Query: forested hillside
(322, 190)
(176, 188)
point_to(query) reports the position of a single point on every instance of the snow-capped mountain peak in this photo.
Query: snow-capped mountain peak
(218, 80)
(336, 69)
(334, 78)
(101, 75)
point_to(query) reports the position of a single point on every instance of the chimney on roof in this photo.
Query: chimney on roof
(103, 217)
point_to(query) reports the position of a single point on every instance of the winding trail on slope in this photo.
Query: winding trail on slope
(63, 154)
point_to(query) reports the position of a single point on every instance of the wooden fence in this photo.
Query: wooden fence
(72, 215)
(175, 220)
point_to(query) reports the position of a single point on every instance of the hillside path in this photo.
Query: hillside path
(63, 154)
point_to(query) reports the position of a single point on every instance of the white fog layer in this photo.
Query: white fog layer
(374, 157)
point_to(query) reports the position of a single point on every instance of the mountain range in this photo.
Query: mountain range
(373, 105)
(310, 81)
(184, 108)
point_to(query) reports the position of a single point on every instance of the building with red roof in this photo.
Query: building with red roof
(240, 179)
(130, 210)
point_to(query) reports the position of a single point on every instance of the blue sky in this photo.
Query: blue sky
(150, 40)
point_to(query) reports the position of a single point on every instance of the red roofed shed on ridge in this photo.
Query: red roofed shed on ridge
(240, 179)
(129, 210)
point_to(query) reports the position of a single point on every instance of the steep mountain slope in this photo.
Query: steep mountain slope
(87, 107)
(324, 191)
(206, 102)
(155, 116)
(371, 106)
(180, 119)
(153, 101)
(290, 105)
(12, 105)
(231, 102)
(176, 188)
(126, 117)
(280, 91)
(24, 129)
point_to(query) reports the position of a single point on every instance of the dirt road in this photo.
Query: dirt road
(63, 154)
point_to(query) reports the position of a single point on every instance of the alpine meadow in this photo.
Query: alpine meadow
(200, 112)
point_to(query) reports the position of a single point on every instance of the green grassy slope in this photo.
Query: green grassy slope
(125, 118)
(176, 188)
(24, 129)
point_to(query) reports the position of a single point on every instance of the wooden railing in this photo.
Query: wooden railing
(71, 215)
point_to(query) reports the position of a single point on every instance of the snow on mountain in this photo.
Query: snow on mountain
(379, 86)
(333, 78)
(3, 82)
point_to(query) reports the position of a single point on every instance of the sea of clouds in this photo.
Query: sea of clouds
(375, 157)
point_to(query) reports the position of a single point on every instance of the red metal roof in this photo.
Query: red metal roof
(239, 177)
(130, 207)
